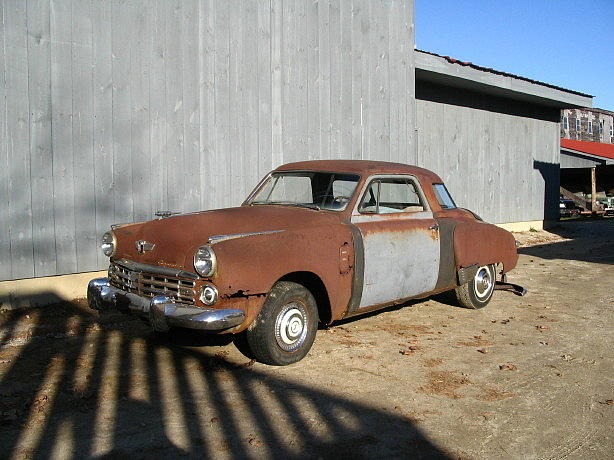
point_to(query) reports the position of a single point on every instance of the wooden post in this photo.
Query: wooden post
(593, 189)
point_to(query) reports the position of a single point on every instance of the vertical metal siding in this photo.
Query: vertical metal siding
(492, 163)
(17, 99)
(5, 239)
(111, 110)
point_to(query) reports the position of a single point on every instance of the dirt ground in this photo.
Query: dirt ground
(526, 377)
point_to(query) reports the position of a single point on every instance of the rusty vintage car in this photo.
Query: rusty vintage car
(316, 241)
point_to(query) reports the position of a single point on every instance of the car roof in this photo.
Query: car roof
(362, 167)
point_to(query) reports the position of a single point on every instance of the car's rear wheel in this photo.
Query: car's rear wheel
(285, 329)
(478, 291)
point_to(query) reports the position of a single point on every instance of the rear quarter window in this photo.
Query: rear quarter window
(443, 196)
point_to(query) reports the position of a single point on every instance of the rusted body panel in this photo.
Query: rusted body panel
(482, 244)
(176, 238)
(406, 254)
(279, 241)
(252, 265)
(362, 167)
(456, 214)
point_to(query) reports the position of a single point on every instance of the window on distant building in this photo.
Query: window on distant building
(577, 124)
(590, 127)
(612, 129)
(601, 127)
(565, 122)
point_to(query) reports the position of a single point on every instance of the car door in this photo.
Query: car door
(400, 240)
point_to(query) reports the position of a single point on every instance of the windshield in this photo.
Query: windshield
(310, 189)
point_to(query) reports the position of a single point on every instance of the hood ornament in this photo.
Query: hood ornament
(143, 246)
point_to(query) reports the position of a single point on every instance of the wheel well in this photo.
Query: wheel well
(315, 285)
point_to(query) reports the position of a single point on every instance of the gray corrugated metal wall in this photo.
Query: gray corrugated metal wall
(111, 110)
(504, 167)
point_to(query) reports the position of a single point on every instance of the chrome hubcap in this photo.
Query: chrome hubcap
(483, 282)
(291, 327)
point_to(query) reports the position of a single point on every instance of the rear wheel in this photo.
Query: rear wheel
(285, 329)
(478, 292)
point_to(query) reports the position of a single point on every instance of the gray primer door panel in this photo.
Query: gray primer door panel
(401, 256)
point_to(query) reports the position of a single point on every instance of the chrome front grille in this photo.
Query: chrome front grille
(152, 284)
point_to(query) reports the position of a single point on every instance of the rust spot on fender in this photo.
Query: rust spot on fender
(240, 294)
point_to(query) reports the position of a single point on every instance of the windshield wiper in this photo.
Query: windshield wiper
(289, 203)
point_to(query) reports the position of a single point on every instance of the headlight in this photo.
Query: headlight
(205, 262)
(108, 244)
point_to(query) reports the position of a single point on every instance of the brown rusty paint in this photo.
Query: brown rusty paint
(305, 241)
(250, 305)
(362, 167)
(177, 238)
(254, 263)
(480, 243)
(456, 213)
(399, 228)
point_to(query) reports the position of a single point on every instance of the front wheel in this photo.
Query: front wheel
(478, 292)
(285, 329)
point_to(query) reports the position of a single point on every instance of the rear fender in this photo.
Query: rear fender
(479, 243)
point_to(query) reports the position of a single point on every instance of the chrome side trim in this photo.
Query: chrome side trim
(166, 214)
(218, 238)
(156, 269)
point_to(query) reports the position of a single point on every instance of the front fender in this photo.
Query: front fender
(250, 266)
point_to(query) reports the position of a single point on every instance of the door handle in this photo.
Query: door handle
(434, 227)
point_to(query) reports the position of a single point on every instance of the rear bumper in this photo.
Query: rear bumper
(162, 311)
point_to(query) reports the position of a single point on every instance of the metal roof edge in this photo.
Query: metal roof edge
(467, 74)
(591, 156)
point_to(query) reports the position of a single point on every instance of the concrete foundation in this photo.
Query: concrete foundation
(44, 291)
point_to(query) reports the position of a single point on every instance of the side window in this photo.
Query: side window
(368, 204)
(387, 196)
(443, 197)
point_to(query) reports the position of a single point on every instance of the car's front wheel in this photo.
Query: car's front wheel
(478, 291)
(285, 329)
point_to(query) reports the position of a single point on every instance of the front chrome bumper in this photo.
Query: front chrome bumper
(161, 310)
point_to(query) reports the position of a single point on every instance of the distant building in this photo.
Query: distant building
(586, 124)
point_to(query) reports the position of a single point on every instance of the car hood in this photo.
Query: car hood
(175, 239)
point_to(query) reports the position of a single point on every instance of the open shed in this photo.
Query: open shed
(587, 168)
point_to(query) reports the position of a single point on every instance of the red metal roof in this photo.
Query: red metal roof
(499, 72)
(592, 148)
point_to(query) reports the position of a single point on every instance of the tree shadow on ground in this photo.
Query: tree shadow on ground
(73, 384)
